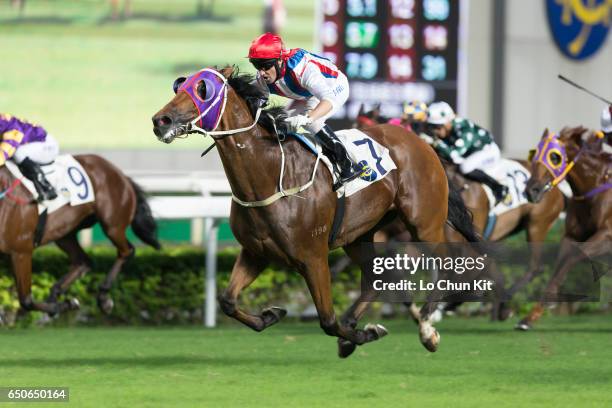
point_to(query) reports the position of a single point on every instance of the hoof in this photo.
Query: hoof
(106, 304)
(522, 326)
(378, 331)
(431, 339)
(436, 316)
(505, 312)
(345, 348)
(273, 315)
(73, 304)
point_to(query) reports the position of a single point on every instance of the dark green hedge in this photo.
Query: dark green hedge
(165, 287)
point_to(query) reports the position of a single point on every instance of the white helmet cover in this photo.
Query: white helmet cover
(440, 113)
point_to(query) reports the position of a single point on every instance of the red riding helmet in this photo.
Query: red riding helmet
(267, 46)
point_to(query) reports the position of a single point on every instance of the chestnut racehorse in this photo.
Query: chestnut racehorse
(575, 154)
(277, 225)
(119, 203)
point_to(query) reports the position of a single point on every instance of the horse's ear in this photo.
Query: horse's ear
(545, 133)
(228, 71)
(594, 139)
(375, 113)
(576, 135)
(361, 110)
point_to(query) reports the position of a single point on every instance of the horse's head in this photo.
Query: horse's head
(367, 119)
(552, 160)
(198, 103)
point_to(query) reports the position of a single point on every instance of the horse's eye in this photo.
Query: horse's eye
(205, 90)
(201, 90)
(177, 83)
(555, 158)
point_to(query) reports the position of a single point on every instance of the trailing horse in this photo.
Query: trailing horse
(293, 225)
(575, 154)
(119, 203)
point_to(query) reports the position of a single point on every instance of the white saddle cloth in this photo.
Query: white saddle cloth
(514, 176)
(373, 157)
(69, 179)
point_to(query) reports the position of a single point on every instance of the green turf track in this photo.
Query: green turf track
(96, 84)
(566, 362)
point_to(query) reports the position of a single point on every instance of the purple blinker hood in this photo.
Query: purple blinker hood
(211, 107)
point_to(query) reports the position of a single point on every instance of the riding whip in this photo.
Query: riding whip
(569, 81)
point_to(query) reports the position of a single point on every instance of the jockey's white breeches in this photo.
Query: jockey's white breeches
(484, 159)
(39, 152)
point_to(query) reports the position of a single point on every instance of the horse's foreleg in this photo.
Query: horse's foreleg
(318, 279)
(536, 234)
(537, 310)
(22, 269)
(246, 269)
(351, 317)
(598, 244)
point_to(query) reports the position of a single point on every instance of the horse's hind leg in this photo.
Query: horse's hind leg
(80, 264)
(351, 317)
(246, 269)
(125, 251)
(431, 230)
(22, 269)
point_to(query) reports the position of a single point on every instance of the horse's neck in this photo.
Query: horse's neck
(588, 173)
(250, 164)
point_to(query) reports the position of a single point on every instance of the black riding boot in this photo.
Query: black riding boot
(499, 191)
(329, 140)
(33, 172)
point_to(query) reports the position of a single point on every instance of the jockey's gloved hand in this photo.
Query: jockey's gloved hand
(298, 121)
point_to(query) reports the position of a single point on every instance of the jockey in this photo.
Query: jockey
(316, 86)
(29, 146)
(414, 117)
(415, 113)
(466, 144)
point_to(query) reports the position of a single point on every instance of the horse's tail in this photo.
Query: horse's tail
(459, 216)
(143, 224)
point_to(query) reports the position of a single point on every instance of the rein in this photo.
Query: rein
(592, 193)
(8, 191)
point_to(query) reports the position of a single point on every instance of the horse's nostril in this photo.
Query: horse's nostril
(162, 121)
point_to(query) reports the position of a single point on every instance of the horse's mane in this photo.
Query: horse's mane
(594, 146)
(244, 86)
